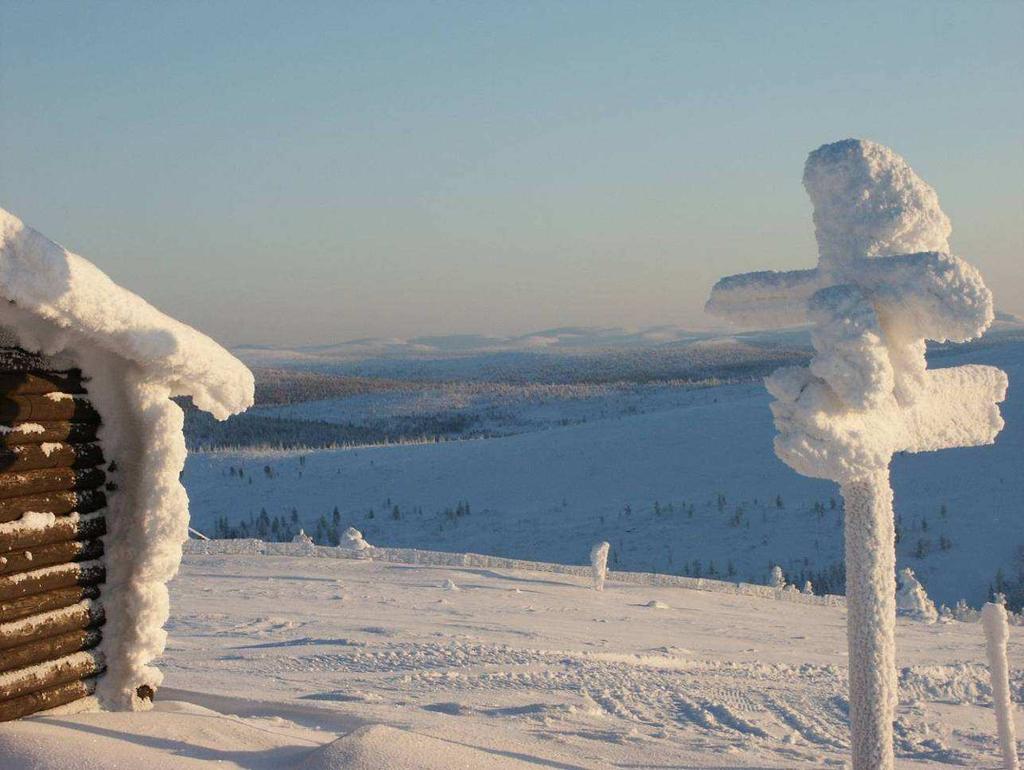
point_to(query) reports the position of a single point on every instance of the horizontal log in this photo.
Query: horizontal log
(15, 684)
(46, 408)
(58, 503)
(87, 614)
(64, 528)
(50, 698)
(45, 555)
(20, 432)
(88, 573)
(29, 457)
(41, 382)
(36, 604)
(22, 483)
(50, 648)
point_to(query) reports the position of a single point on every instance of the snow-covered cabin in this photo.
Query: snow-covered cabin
(92, 512)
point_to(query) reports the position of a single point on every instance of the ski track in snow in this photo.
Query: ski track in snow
(549, 662)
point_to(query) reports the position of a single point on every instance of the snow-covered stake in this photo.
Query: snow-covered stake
(997, 632)
(599, 564)
(885, 283)
(93, 515)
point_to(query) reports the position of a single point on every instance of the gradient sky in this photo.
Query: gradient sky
(301, 172)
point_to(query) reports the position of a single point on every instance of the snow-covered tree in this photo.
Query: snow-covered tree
(912, 600)
(885, 283)
(599, 564)
(776, 579)
(997, 632)
(808, 588)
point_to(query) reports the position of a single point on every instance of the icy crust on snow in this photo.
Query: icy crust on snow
(136, 360)
(868, 202)
(53, 283)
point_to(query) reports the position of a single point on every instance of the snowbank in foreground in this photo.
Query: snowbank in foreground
(182, 736)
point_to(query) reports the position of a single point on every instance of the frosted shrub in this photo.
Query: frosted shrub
(912, 600)
(599, 564)
(352, 539)
(302, 538)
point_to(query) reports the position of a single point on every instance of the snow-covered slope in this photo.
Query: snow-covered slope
(630, 476)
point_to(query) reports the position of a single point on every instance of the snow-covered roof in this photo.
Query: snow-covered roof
(46, 279)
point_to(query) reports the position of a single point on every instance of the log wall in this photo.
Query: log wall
(53, 486)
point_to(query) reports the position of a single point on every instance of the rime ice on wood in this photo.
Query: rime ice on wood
(997, 632)
(599, 564)
(885, 283)
(60, 309)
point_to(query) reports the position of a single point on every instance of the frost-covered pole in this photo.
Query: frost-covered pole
(599, 563)
(885, 283)
(871, 617)
(997, 631)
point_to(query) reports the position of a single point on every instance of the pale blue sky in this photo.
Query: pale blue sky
(300, 172)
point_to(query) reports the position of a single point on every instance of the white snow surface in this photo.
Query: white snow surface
(136, 359)
(350, 664)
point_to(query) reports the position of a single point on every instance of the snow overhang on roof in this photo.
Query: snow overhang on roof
(47, 280)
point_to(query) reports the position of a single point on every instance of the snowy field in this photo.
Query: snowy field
(290, 662)
(679, 480)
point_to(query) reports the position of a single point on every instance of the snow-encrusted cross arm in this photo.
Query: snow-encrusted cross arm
(765, 300)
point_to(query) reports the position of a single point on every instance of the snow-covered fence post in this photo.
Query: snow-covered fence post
(599, 563)
(997, 631)
(885, 283)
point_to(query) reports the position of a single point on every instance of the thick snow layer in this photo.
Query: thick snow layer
(48, 281)
(869, 202)
(136, 360)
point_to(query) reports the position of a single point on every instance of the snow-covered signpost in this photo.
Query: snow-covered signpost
(885, 283)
